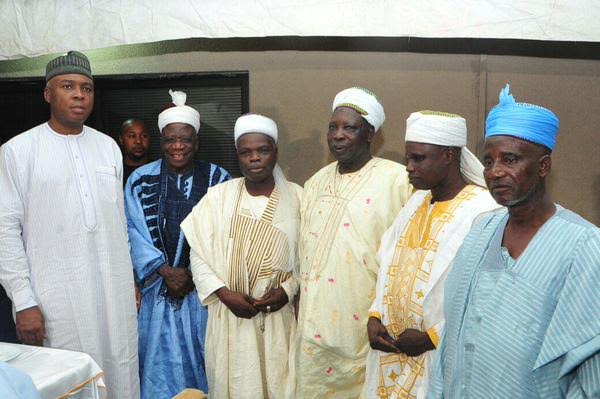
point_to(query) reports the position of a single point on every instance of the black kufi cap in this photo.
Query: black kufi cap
(72, 62)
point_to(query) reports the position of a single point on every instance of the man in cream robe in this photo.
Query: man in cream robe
(346, 207)
(64, 256)
(242, 236)
(417, 250)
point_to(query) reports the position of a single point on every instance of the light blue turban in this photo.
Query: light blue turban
(525, 121)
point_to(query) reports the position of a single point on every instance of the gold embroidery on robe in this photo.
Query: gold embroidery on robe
(407, 274)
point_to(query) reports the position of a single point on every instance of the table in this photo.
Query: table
(59, 373)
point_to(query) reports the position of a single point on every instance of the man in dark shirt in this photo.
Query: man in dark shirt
(135, 142)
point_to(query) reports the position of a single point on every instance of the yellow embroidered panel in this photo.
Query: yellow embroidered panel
(408, 275)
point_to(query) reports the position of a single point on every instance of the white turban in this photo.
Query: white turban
(254, 123)
(362, 101)
(445, 129)
(180, 113)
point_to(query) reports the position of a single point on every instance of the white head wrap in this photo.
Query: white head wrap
(180, 113)
(362, 101)
(254, 123)
(445, 129)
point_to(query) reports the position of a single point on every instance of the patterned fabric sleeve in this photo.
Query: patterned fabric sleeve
(586, 383)
(146, 258)
(218, 175)
(435, 390)
(573, 335)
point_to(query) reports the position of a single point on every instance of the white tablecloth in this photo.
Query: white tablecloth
(59, 373)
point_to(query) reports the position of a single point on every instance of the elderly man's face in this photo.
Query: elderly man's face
(71, 99)
(179, 144)
(349, 135)
(135, 141)
(514, 169)
(257, 156)
(426, 164)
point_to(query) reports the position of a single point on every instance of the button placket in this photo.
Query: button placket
(89, 212)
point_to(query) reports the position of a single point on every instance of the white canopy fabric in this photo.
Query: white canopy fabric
(34, 27)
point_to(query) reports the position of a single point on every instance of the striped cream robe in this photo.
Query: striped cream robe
(238, 241)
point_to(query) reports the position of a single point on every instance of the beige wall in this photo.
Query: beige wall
(296, 88)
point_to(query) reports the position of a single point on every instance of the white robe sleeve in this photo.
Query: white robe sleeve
(376, 310)
(384, 257)
(14, 268)
(206, 261)
(206, 281)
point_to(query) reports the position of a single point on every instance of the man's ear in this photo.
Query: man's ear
(451, 154)
(370, 133)
(47, 94)
(545, 165)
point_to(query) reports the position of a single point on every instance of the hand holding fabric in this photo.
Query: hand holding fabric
(379, 338)
(414, 342)
(30, 326)
(272, 301)
(240, 305)
(178, 280)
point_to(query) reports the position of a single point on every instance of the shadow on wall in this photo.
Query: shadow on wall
(305, 156)
(299, 158)
(594, 214)
(380, 150)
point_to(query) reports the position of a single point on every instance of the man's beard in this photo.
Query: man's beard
(524, 198)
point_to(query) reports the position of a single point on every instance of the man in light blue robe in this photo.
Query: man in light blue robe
(158, 196)
(522, 300)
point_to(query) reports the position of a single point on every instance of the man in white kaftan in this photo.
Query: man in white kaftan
(346, 207)
(242, 236)
(416, 252)
(64, 257)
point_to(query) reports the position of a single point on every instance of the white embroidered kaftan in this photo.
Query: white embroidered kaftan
(414, 257)
(64, 248)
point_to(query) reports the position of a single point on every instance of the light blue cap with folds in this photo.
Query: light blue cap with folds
(521, 120)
